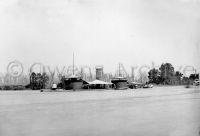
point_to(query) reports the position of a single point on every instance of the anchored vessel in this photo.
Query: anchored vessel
(120, 82)
(73, 82)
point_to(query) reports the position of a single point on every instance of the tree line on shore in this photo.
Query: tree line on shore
(166, 75)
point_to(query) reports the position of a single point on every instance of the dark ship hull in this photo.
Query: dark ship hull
(73, 83)
(120, 83)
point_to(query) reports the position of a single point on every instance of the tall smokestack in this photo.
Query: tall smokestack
(99, 72)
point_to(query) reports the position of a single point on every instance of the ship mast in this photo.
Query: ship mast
(119, 71)
(73, 64)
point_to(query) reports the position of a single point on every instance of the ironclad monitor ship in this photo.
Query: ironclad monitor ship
(120, 82)
(73, 82)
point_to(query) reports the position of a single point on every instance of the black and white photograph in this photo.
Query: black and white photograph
(99, 67)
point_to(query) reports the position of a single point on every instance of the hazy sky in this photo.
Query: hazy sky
(100, 32)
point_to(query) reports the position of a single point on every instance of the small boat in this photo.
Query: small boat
(135, 85)
(54, 87)
(196, 82)
(120, 82)
(148, 86)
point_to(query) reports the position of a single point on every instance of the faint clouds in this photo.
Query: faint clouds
(190, 1)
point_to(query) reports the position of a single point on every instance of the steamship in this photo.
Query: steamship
(73, 82)
(120, 82)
